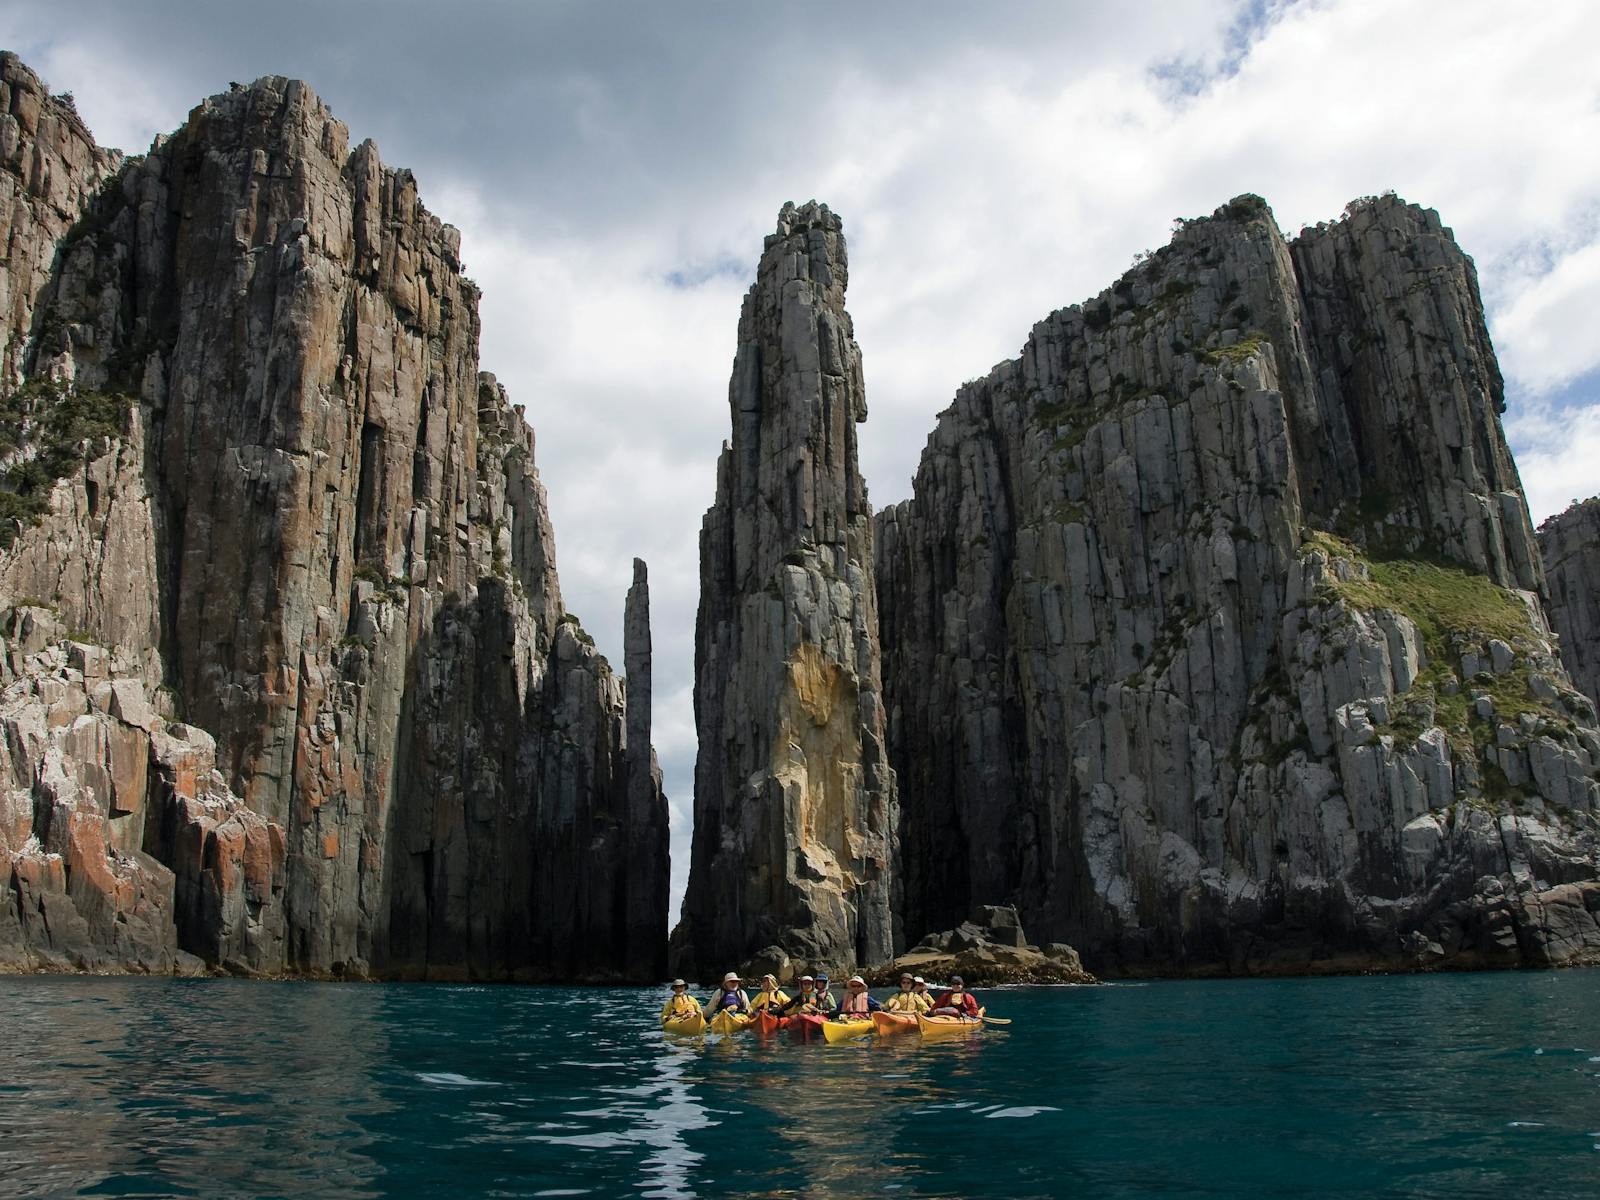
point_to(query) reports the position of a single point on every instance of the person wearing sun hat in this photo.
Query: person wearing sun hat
(858, 1002)
(771, 998)
(730, 995)
(805, 1000)
(680, 1003)
(908, 999)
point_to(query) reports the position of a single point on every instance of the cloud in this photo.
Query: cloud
(1547, 331)
(613, 180)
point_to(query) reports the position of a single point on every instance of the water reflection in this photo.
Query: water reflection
(144, 1086)
(1422, 1087)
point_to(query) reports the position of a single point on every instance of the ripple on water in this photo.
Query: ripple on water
(1235, 1088)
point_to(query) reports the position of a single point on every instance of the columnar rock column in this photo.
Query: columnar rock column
(1570, 545)
(1212, 632)
(648, 884)
(794, 798)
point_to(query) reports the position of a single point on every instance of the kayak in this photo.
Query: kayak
(948, 1026)
(766, 1024)
(888, 1023)
(727, 1021)
(687, 1026)
(806, 1024)
(843, 1031)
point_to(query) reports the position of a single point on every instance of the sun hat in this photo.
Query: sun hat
(808, 979)
(858, 979)
(957, 980)
(918, 979)
(679, 983)
(731, 975)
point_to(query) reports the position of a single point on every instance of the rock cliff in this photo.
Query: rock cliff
(1213, 635)
(255, 461)
(794, 799)
(1570, 545)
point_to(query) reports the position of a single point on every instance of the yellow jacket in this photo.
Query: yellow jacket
(679, 1006)
(763, 998)
(908, 1002)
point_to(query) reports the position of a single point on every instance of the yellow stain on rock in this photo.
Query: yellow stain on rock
(816, 754)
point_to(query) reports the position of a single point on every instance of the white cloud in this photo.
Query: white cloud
(988, 171)
(1549, 330)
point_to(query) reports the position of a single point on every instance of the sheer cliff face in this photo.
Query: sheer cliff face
(1212, 633)
(1570, 543)
(49, 168)
(340, 562)
(794, 799)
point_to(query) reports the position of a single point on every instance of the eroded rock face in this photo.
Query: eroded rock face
(49, 170)
(1570, 543)
(323, 530)
(1212, 632)
(794, 798)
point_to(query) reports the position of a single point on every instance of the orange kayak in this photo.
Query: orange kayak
(888, 1023)
(767, 1024)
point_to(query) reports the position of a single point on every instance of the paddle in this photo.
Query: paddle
(997, 1020)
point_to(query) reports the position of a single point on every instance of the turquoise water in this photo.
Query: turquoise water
(1449, 1086)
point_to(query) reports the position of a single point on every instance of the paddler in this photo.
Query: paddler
(824, 999)
(771, 998)
(680, 1003)
(730, 995)
(956, 1001)
(908, 999)
(806, 1000)
(857, 1003)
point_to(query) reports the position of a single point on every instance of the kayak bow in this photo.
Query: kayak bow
(887, 1023)
(686, 1026)
(844, 1031)
(727, 1021)
(948, 1026)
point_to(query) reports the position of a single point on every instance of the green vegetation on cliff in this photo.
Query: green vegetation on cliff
(47, 430)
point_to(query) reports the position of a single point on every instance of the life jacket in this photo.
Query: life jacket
(963, 1002)
(735, 999)
(824, 1001)
(905, 1002)
(680, 1006)
(765, 999)
(800, 999)
(856, 1002)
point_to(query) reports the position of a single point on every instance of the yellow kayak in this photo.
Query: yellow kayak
(887, 1023)
(728, 1021)
(843, 1031)
(686, 1026)
(948, 1026)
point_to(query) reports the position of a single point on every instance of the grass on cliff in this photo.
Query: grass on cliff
(1446, 602)
(52, 430)
(1454, 610)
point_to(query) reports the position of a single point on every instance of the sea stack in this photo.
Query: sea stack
(1213, 632)
(795, 807)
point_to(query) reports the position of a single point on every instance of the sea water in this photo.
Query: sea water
(1449, 1086)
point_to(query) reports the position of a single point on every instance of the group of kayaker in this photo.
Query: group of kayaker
(814, 998)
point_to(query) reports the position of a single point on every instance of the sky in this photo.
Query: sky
(613, 168)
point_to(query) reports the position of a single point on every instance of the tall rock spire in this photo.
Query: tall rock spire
(794, 798)
(648, 882)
